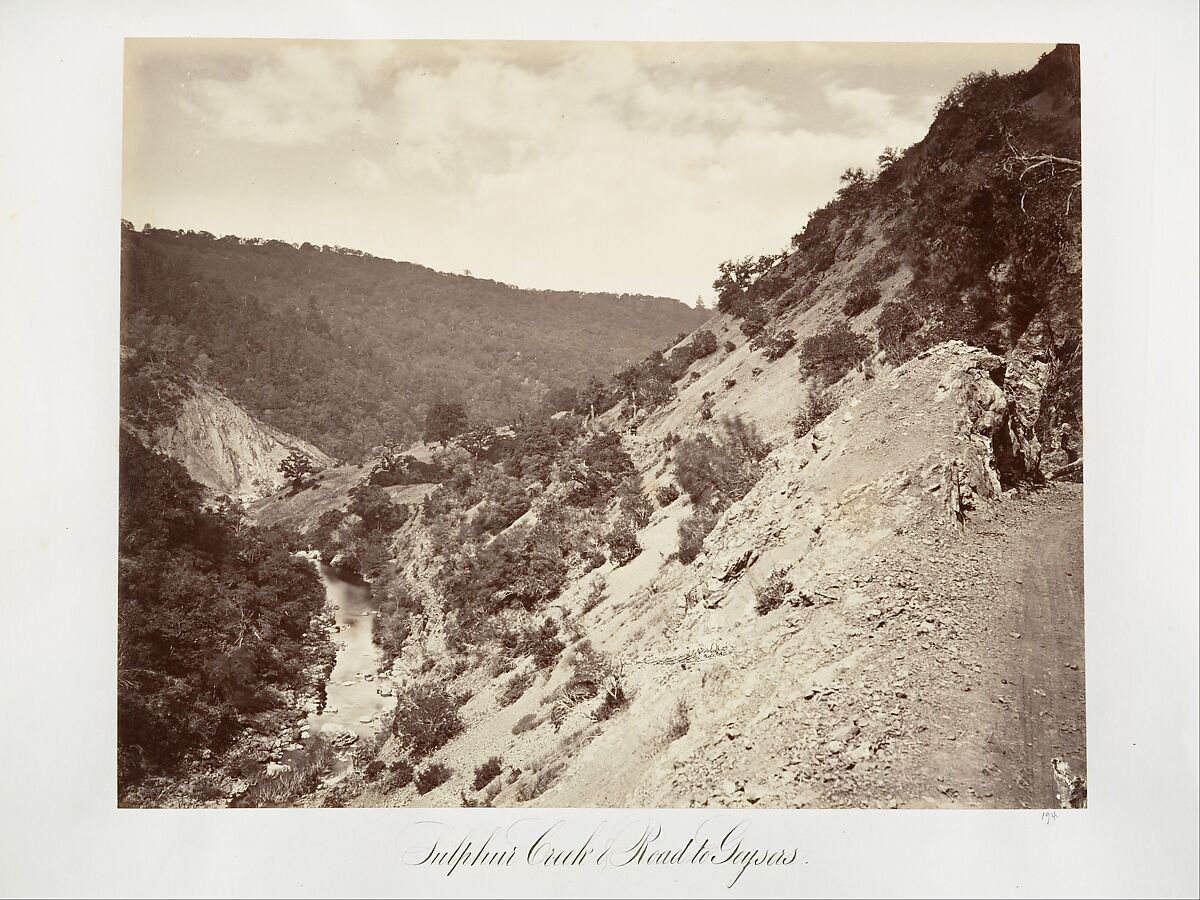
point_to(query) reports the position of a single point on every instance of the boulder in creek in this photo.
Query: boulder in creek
(338, 735)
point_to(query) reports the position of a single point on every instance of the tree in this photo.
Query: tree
(854, 175)
(444, 421)
(297, 466)
(888, 158)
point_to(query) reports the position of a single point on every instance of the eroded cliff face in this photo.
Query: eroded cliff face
(225, 448)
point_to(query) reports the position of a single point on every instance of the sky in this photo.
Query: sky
(624, 167)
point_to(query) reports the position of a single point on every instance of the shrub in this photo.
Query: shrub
(826, 357)
(589, 670)
(337, 798)
(613, 699)
(814, 410)
(485, 772)
(779, 344)
(527, 722)
(667, 494)
(622, 542)
(754, 322)
(899, 328)
(538, 783)
(399, 774)
(499, 665)
(374, 769)
(692, 532)
(772, 592)
(722, 470)
(595, 593)
(207, 788)
(680, 721)
(704, 343)
(634, 506)
(372, 504)
(701, 345)
(543, 644)
(730, 346)
(433, 775)
(860, 301)
(394, 469)
(514, 688)
(426, 718)
(507, 501)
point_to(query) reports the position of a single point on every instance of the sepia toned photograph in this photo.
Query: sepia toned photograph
(622, 425)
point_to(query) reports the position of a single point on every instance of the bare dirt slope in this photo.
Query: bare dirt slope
(225, 448)
(888, 676)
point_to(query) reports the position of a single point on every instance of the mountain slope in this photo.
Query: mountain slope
(349, 351)
(813, 555)
(225, 448)
(219, 444)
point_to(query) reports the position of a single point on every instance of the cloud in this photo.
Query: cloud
(601, 167)
(865, 105)
(299, 95)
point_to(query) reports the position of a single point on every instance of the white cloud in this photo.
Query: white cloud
(299, 95)
(592, 169)
(865, 105)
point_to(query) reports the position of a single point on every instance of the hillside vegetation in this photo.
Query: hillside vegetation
(348, 351)
(214, 618)
(741, 570)
(779, 561)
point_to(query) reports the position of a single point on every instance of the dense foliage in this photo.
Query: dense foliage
(714, 473)
(349, 350)
(211, 613)
(971, 234)
(426, 717)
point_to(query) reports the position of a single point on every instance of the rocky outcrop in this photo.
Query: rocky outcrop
(225, 448)
(1044, 379)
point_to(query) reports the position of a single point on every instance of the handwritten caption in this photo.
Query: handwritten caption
(637, 843)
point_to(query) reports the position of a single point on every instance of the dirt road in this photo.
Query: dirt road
(1051, 677)
(1018, 700)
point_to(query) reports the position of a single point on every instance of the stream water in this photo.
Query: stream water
(354, 695)
(357, 699)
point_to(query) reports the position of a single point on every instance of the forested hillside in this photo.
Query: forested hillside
(348, 350)
(214, 619)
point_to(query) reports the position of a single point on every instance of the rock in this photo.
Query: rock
(728, 788)
(844, 733)
(274, 769)
(835, 746)
(754, 792)
(861, 753)
(338, 735)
